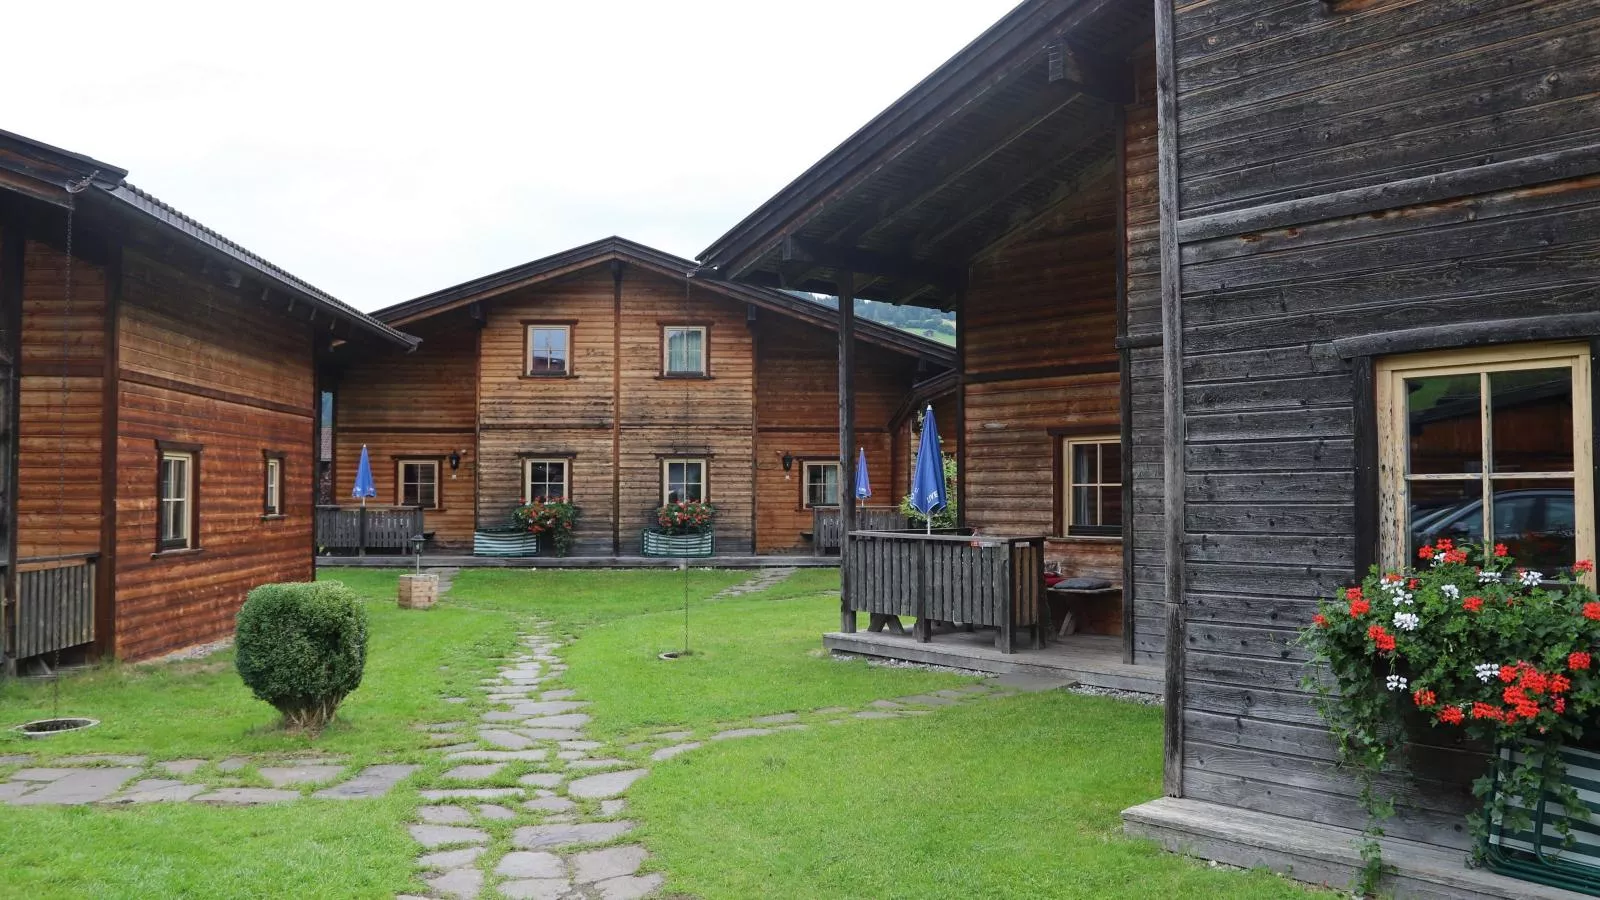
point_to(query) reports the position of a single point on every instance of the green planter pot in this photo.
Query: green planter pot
(1539, 854)
(504, 542)
(654, 543)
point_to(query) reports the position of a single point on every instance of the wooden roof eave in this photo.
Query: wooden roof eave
(980, 68)
(587, 256)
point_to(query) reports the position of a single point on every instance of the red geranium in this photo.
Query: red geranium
(1359, 608)
(1591, 610)
(1578, 661)
(1583, 566)
(1424, 698)
(1451, 715)
(1352, 593)
(1500, 550)
(1319, 620)
(1425, 551)
(1472, 604)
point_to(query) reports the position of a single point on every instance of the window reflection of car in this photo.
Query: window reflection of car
(1520, 515)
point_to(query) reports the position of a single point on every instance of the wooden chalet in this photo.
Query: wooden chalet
(157, 387)
(612, 375)
(1224, 242)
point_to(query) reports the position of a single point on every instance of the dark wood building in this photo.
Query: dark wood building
(611, 375)
(1228, 242)
(156, 396)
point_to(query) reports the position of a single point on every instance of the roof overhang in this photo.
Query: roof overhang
(617, 249)
(1008, 128)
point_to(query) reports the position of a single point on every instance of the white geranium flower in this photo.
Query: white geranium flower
(1396, 683)
(1450, 591)
(1486, 672)
(1407, 621)
(1530, 578)
(1488, 577)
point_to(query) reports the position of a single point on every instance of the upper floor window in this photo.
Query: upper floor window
(272, 487)
(549, 349)
(1488, 447)
(821, 484)
(417, 483)
(683, 479)
(177, 486)
(683, 350)
(1092, 486)
(544, 479)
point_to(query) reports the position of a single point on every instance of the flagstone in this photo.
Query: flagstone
(567, 720)
(581, 745)
(542, 779)
(373, 781)
(630, 887)
(431, 836)
(776, 719)
(613, 862)
(471, 772)
(666, 753)
(538, 837)
(498, 755)
(535, 889)
(463, 883)
(470, 794)
(495, 813)
(548, 707)
(740, 733)
(450, 859)
(41, 774)
(551, 734)
(444, 815)
(562, 694)
(531, 864)
(597, 763)
(80, 786)
(11, 790)
(157, 790)
(247, 796)
(675, 735)
(504, 739)
(548, 804)
(284, 776)
(609, 808)
(110, 759)
(181, 767)
(609, 784)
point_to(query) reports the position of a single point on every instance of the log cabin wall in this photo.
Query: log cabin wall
(797, 411)
(1142, 330)
(416, 405)
(59, 418)
(205, 365)
(1041, 364)
(1285, 114)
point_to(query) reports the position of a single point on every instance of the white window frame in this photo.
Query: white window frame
(805, 482)
(1068, 483)
(527, 476)
(1393, 443)
(400, 481)
(528, 348)
(705, 477)
(182, 538)
(273, 505)
(666, 351)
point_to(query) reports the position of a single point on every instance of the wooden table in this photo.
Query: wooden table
(1069, 622)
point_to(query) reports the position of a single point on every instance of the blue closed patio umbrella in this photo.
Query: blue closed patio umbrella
(927, 477)
(863, 483)
(364, 486)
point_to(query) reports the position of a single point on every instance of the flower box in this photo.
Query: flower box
(504, 542)
(1540, 853)
(656, 543)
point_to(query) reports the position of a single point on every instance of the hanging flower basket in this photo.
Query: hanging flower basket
(658, 543)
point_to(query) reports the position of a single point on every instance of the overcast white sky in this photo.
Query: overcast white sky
(384, 151)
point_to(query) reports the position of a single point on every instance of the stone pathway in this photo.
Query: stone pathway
(531, 807)
(118, 779)
(764, 578)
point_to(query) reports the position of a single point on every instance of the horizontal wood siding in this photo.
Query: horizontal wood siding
(417, 404)
(181, 341)
(797, 412)
(588, 450)
(60, 405)
(1279, 101)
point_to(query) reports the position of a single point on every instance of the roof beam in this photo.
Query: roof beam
(1008, 183)
(1102, 77)
(870, 264)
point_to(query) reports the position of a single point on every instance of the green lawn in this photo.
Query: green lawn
(1001, 798)
(1016, 797)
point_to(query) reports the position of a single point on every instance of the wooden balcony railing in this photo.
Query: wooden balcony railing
(357, 529)
(827, 532)
(990, 581)
(55, 603)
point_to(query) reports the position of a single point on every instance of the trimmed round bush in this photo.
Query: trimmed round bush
(302, 647)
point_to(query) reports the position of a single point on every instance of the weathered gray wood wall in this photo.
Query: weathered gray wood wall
(1345, 168)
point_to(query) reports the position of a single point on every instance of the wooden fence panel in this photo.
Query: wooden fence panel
(55, 604)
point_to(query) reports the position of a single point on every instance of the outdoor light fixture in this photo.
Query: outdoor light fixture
(788, 463)
(455, 460)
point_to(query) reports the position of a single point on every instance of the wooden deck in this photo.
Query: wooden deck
(435, 560)
(1091, 659)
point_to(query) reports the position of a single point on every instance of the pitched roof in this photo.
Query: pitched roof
(52, 174)
(617, 248)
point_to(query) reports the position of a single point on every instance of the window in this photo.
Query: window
(544, 479)
(821, 484)
(1488, 446)
(1093, 486)
(175, 491)
(549, 350)
(683, 349)
(683, 479)
(272, 488)
(418, 483)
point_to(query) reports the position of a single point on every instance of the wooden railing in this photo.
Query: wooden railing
(55, 603)
(990, 581)
(827, 532)
(357, 529)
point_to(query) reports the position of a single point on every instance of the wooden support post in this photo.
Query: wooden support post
(13, 251)
(847, 441)
(1172, 439)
